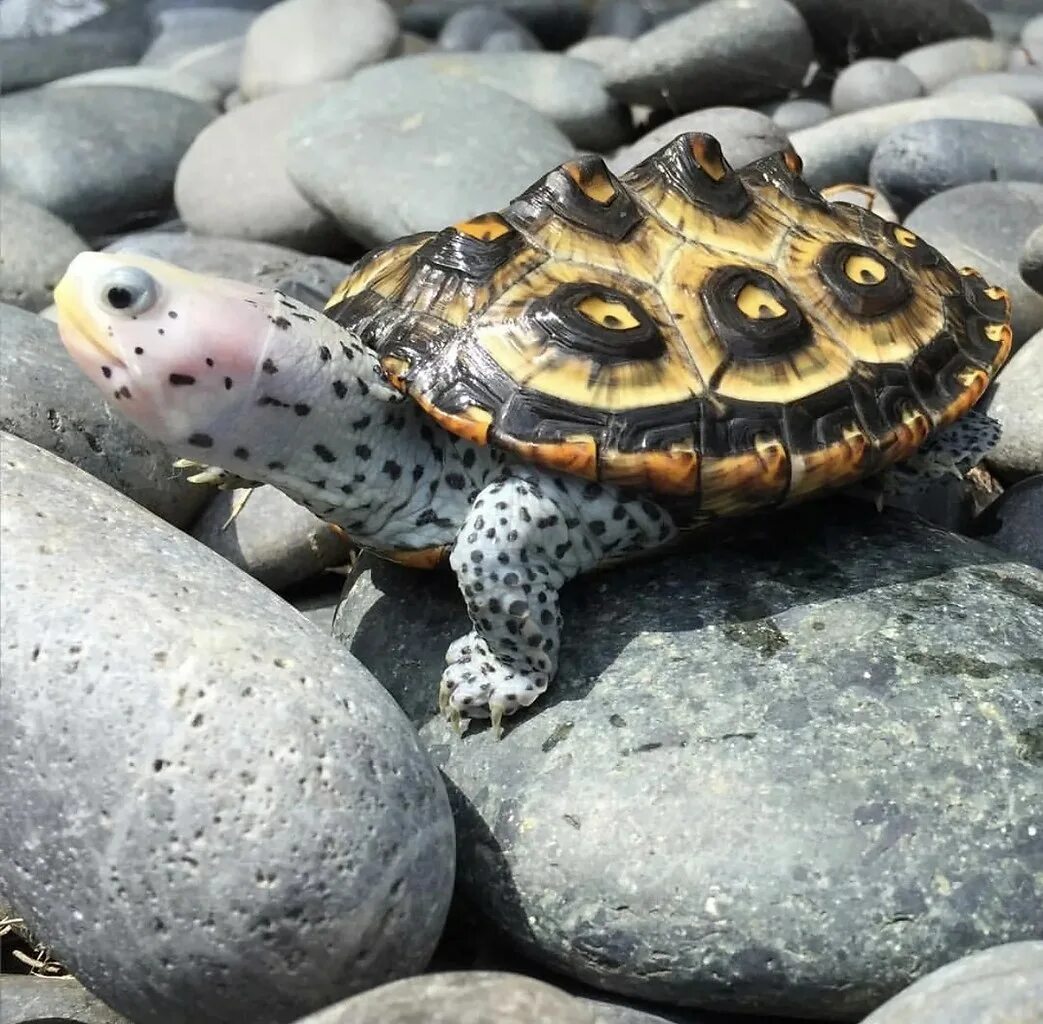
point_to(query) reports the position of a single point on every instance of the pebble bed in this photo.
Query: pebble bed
(795, 775)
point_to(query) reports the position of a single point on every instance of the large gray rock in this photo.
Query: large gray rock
(724, 51)
(1001, 985)
(97, 156)
(1030, 265)
(298, 42)
(1028, 88)
(47, 400)
(204, 778)
(985, 225)
(838, 151)
(35, 249)
(938, 63)
(872, 83)
(140, 76)
(570, 93)
(770, 766)
(1016, 400)
(916, 161)
(25, 999)
(233, 182)
(389, 153)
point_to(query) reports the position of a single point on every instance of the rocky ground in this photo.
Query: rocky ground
(794, 774)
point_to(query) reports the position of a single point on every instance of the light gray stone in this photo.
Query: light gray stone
(859, 687)
(839, 150)
(204, 778)
(723, 51)
(938, 63)
(140, 76)
(298, 42)
(25, 999)
(48, 401)
(556, 23)
(233, 182)
(872, 83)
(1028, 88)
(35, 249)
(471, 28)
(389, 153)
(604, 51)
(1016, 400)
(216, 63)
(1031, 263)
(181, 30)
(791, 115)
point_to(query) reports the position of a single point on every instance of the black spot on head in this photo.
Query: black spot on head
(106, 372)
(469, 458)
(347, 488)
(160, 330)
(228, 383)
(138, 350)
(124, 392)
(363, 451)
(302, 409)
(418, 471)
(276, 465)
(269, 367)
(201, 440)
(510, 579)
(363, 386)
(597, 527)
(340, 389)
(280, 321)
(455, 480)
(172, 313)
(241, 453)
(324, 453)
(181, 379)
(209, 361)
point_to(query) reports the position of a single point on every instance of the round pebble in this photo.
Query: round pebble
(938, 63)
(1016, 400)
(621, 19)
(298, 42)
(871, 83)
(916, 161)
(356, 154)
(556, 23)
(1031, 263)
(792, 115)
(1028, 88)
(473, 27)
(724, 51)
(204, 778)
(142, 77)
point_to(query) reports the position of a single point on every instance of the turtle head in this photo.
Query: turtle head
(177, 353)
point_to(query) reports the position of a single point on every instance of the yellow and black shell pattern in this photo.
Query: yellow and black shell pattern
(726, 337)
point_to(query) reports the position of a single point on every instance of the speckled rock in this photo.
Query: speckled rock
(1014, 523)
(1016, 400)
(35, 249)
(724, 51)
(916, 161)
(604, 51)
(847, 29)
(871, 83)
(860, 688)
(568, 92)
(233, 182)
(30, 1000)
(471, 28)
(298, 42)
(1001, 985)
(138, 76)
(556, 23)
(46, 400)
(270, 536)
(355, 155)
(744, 135)
(1030, 265)
(1028, 88)
(97, 156)
(839, 150)
(938, 63)
(791, 115)
(985, 225)
(204, 778)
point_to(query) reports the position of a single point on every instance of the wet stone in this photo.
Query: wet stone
(204, 777)
(871, 83)
(1014, 522)
(938, 63)
(853, 692)
(724, 51)
(471, 28)
(48, 401)
(1016, 400)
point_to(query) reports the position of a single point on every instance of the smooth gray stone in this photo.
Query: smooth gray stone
(273, 538)
(792, 115)
(139, 76)
(25, 999)
(604, 51)
(204, 778)
(47, 132)
(1033, 30)
(938, 63)
(724, 51)
(985, 226)
(179, 31)
(744, 135)
(916, 161)
(1031, 263)
(356, 154)
(1028, 88)
(20, 19)
(1014, 523)
(35, 249)
(845, 30)
(508, 42)
(299, 42)
(1000, 985)
(232, 182)
(556, 23)
(838, 151)
(621, 19)
(471, 28)
(872, 83)
(216, 63)
(568, 92)
(47, 400)
(782, 719)
(1016, 400)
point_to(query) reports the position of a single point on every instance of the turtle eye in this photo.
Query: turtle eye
(129, 291)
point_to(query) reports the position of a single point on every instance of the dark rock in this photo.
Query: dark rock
(299, 42)
(1016, 400)
(355, 155)
(1031, 263)
(1000, 985)
(845, 30)
(986, 225)
(792, 115)
(35, 249)
(556, 23)
(916, 161)
(821, 674)
(871, 83)
(48, 401)
(1028, 88)
(204, 778)
(939, 63)
(1014, 523)
(625, 19)
(134, 138)
(30, 1000)
(724, 51)
(139, 76)
(839, 150)
(470, 28)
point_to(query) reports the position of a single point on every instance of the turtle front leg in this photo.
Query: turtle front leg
(525, 537)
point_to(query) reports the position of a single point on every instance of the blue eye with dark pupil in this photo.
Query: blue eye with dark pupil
(128, 290)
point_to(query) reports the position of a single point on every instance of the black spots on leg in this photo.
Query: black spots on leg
(340, 389)
(455, 481)
(651, 510)
(302, 408)
(418, 472)
(275, 465)
(325, 354)
(281, 322)
(618, 513)
(362, 423)
(477, 557)
(524, 515)
(392, 469)
(562, 549)
(469, 458)
(364, 452)
(324, 453)
(546, 617)
(241, 453)
(591, 492)
(545, 522)
(268, 366)
(181, 379)
(199, 440)
(510, 579)
(596, 527)
(503, 558)
(347, 488)
(363, 386)
(512, 536)
(517, 608)
(495, 606)
(276, 402)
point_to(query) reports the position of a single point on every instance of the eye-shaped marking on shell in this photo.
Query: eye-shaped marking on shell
(996, 293)
(758, 304)
(607, 313)
(864, 282)
(904, 237)
(485, 228)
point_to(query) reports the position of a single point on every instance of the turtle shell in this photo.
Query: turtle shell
(686, 328)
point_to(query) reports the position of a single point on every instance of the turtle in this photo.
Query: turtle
(589, 375)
